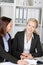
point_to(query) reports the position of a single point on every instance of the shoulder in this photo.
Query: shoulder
(1, 37)
(1, 40)
(9, 35)
(20, 33)
(36, 35)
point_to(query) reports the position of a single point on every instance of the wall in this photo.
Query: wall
(8, 10)
(36, 3)
(10, 1)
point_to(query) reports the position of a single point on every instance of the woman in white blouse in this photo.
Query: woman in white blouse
(26, 44)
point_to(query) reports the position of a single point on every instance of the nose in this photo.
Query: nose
(30, 27)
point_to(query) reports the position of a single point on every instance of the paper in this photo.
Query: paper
(7, 63)
(31, 61)
(39, 58)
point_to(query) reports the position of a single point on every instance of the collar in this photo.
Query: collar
(6, 37)
(31, 36)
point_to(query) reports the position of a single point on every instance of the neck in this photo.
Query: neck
(28, 36)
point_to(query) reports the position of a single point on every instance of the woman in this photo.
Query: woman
(26, 44)
(5, 41)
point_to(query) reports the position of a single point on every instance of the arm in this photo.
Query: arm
(39, 49)
(10, 58)
(15, 50)
(7, 56)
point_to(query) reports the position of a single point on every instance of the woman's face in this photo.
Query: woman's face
(31, 27)
(9, 26)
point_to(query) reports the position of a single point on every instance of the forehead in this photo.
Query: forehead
(32, 22)
(10, 22)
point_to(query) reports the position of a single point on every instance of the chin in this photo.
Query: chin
(29, 32)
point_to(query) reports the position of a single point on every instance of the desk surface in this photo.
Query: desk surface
(9, 63)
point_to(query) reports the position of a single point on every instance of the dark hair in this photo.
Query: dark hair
(4, 21)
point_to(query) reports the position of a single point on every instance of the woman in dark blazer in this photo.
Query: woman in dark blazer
(26, 44)
(5, 42)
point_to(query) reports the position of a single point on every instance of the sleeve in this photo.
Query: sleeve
(38, 48)
(7, 56)
(15, 43)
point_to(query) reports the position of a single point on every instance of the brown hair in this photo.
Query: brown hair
(4, 21)
(34, 20)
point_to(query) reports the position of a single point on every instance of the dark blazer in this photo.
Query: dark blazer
(4, 54)
(18, 45)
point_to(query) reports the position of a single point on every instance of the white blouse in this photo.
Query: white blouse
(5, 40)
(27, 45)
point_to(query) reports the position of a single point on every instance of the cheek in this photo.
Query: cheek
(8, 29)
(33, 29)
(27, 27)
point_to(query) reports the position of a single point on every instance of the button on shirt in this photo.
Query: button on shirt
(27, 45)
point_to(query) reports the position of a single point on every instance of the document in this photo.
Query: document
(31, 61)
(39, 58)
(7, 63)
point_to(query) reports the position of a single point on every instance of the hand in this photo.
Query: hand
(22, 56)
(27, 55)
(21, 62)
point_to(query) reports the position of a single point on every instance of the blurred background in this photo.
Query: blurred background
(20, 11)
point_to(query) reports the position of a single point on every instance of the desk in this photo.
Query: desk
(9, 63)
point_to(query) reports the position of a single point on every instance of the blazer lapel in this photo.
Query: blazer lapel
(22, 41)
(32, 44)
(1, 39)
